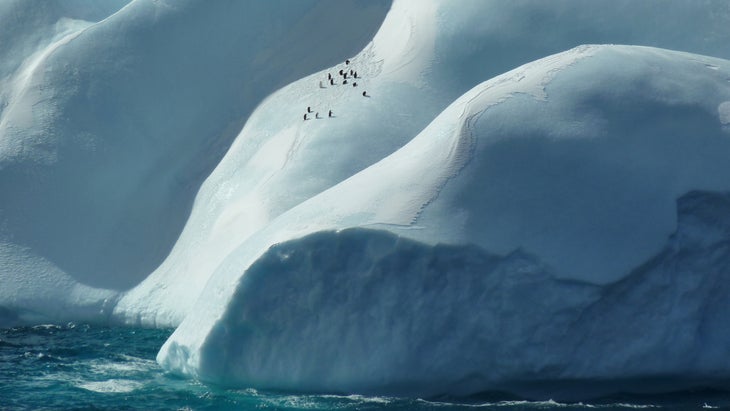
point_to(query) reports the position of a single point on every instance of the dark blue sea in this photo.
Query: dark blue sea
(81, 367)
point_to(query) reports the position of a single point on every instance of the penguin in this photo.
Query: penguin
(332, 82)
(305, 117)
(354, 74)
(309, 109)
(365, 94)
(316, 115)
(354, 84)
(345, 75)
(330, 113)
(344, 81)
(329, 76)
(340, 71)
(347, 62)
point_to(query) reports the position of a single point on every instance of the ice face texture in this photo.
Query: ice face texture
(496, 244)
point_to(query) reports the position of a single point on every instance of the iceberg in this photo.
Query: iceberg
(480, 255)
(506, 200)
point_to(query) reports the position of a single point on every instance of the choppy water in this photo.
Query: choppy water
(90, 368)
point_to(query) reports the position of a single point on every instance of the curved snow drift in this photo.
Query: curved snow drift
(108, 128)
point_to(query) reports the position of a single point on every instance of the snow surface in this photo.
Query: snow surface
(110, 126)
(425, 55)
(483, 215)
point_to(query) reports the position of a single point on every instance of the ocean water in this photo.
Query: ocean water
(82, 367)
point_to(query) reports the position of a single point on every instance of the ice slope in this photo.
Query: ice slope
(425, 55)
(109, 126)
(535, 218)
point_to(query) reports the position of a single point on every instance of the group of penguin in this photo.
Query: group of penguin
(346, 75)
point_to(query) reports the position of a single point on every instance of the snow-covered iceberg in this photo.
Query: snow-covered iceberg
(495, 212)
(483, 252)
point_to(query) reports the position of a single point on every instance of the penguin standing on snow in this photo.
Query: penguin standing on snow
(347, 62)
(309, 109)
(305, 117)
(330, 114)
(316, 115)
(365, 94)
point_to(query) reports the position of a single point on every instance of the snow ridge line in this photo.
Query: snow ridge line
(464, 141)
